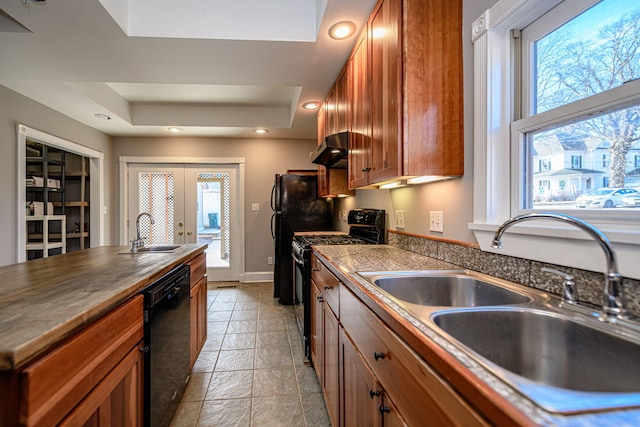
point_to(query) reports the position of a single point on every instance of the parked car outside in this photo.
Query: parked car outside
(605, 197)
(632, 201)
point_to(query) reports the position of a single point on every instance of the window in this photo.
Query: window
(636, 162)
(544, 165)
(572, 60)
(576, 162)
(532, 116)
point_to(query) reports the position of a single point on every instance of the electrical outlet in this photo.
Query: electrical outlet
(344, 216)
(399, 219)
(255, 207)
(270, 260)
(436, 221)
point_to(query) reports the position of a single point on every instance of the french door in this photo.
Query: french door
(189, 204)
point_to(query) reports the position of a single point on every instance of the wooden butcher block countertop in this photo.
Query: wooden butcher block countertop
(44, 301)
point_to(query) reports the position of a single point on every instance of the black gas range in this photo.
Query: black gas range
(366, 227)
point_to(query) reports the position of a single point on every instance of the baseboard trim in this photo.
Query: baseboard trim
(257, 276)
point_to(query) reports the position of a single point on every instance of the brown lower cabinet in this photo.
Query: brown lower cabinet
(364, 401)
(93, 379)
(198, 306)
(324, 351)
(381, 381)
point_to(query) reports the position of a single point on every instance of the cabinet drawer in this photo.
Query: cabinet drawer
(409, 381)
(52, 386)
(197, 269)
(327, 283)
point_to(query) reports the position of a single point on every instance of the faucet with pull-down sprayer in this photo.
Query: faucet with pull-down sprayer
(138, 242)
(613, 306)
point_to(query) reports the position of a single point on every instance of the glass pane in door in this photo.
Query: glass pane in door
(213, 211)
(156, 194)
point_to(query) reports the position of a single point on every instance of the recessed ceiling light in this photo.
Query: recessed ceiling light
(102, 116)
(313, 105)
(342, 30)
(261, 131)
(174, 130)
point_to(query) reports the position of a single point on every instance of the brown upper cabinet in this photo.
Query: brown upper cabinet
(333, 117)
(359, 144)
(406, 93)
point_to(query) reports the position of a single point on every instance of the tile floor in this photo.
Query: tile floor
(251, 371)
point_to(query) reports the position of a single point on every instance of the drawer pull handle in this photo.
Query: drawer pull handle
(315, 269)
(320, 299)
(328, 288)
(374, 393)
(378, 355)
(144, 349)
(384, 409)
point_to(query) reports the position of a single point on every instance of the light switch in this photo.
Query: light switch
(436, 221)
(399, 219)
(345, 216)
(255, 207)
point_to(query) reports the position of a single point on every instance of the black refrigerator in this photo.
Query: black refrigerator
(296, 207)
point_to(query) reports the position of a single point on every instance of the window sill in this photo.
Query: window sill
(567, 246)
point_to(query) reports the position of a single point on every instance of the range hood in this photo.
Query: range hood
(332, 152)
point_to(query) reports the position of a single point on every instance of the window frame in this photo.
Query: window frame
(497, 174)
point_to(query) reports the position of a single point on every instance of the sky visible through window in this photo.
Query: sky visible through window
(597, 51)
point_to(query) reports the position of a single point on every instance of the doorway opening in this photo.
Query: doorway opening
(213, 210)
(190, 203)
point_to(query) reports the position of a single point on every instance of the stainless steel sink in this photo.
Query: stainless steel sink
(153, 249)
(159, 248)
(562, 363)
(444, 288)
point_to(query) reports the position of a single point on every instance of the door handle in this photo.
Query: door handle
(179, 224)
(180, 233)
(189, 233)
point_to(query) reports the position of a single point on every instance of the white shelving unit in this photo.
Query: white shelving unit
(60, 239)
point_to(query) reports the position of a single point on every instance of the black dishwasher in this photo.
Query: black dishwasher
(166, 336)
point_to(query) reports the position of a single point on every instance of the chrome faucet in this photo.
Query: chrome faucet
(138, 242)
(614, 305)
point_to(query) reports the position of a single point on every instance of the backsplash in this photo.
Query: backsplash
(589, 284)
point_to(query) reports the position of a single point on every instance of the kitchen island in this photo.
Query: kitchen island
(464, 391)
(80, 299)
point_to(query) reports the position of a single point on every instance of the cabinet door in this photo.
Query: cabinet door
(360, 115)
(117, 400)
(316, 344)
(386, 85)
(390, 415)
(198, 319)
(342, 100)
(323, 185)
(202, 314)
(362, 395)
(433, 88)
(330, 113)
(321, 124)
(323, 182)
(331, 359)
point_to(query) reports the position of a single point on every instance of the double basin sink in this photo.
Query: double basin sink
(564, 359)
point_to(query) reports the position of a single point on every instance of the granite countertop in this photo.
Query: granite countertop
(45, 300)
(346, 260)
